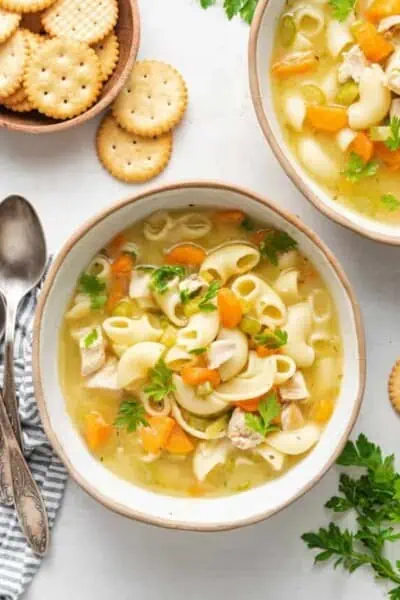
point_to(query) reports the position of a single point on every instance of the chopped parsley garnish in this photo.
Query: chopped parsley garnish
(244, 8)
(163, 275)
(274, 243)
(186, 296)
(374, 498)
(357, 169)
(268, 409)
(198, 351)
(393, 142)
(342, 8)
(91, 338)
(94, 288)
(390, 202)
(160, 382)
(247, 224)
(131, 414)
(205, 303)
(272, 339)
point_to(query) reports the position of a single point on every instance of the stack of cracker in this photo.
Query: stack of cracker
(134, 141)
(56, 55)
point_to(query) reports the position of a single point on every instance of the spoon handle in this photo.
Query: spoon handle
(21, 486)
(9, 395)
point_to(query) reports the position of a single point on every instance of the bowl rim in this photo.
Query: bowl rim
(281, 154)
(36, 351)
(103, 103)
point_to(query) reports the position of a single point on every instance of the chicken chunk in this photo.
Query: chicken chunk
(93, 351)
(295, 388)
(353, 65)
(220, 352)
(240, 434)
(393, 72)
(106, 378)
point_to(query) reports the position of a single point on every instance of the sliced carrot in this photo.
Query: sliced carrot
(230, 308)
(258, 236)
(123, 265)
(154, 437)
(362, 146)
(196, 375)
(114, 247)
(323, 410)
(263, 351)
(391, 159)
(234, 217)
(248, 405)
(186, 254)
(294, 65)
(97, 430)
(179, 442)
(380, 9)
(374, 45)
(327, 118)
(121, 270)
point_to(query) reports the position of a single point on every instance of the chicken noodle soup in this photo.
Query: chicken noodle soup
(200, 354)
(336, 84)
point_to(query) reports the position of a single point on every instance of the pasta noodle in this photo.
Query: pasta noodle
(230, 260)
(298, 328)
(126, 332)
(135, 363)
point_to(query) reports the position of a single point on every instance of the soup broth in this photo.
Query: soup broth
(335, 89)
(200, 354)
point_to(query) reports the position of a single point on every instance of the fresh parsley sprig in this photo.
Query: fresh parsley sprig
(375, 499)
(272, 339)
(244, 8)
(91, 338)
(94, 288)
(160, 382)
(131, 415)
(161, 277)
(393, 142)
(205, 303)
(356, 168)
(275, 243)
(342, 8)
(268, 409)
(390, 202)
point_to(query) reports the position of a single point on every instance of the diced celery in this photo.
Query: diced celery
(218, 426)
(245, 305)
(207, 277)
(347, 93)
(287, 30)
(313, 94)
(169, 337)
(250, 326)
(191, 308)
(379, 134)
(125, 308)
(204, 389)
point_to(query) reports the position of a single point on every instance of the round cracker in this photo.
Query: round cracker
(8, 24)
(82, 20)
(108, 52)
(25, 6)
(394, 386)
(13, 56)
(153, 100)
(24, 106)
(63, 78)
(129, 157)
(20, 98)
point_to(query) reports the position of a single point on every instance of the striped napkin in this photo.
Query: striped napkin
(18, 564)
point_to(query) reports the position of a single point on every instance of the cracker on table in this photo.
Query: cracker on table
(394, 386)
(9, 22)
(63, 78)
(153, 100)
(25, 6)
(108, 52)
(82, 20)
(13, 56)
(129, 157)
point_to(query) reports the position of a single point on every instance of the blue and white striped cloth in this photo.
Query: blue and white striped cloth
(17, 562)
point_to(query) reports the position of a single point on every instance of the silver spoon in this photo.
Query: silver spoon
(22, 263)
(2, 318)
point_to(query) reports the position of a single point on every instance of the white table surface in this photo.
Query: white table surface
(96, 554)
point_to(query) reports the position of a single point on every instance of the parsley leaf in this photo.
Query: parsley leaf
(375, 499)
(272, 339)
(342, 8)
(232, 8)
(247, 224)
(198, 351)
(390, 202)
(163, 275)
(205, 303)
(274, 243)
(185, 296)
(160, 382)
(91, 338)
(248, 9)
(94, 288)
(393, 142)
(268, 409)
(207, 3)
(357, 169)
(131, 414)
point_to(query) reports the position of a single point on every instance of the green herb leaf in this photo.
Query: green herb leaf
(272, 339)
(247, 224)
(342, 8)
(232, 7)
(131, 414)
(163, 275)
(205, 303)
(207, 3)
(198, 351)
(185, 296)
(94, 288)
(91, 338)
(160, 382)
(393, 142)
(268, 409)
(248, 9)
(357, 169)
(390, 202)
(274, 243)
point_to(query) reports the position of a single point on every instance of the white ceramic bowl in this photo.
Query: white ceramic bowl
(135, 502)
(261, 44)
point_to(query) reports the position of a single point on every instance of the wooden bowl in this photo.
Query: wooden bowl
(128, 32)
